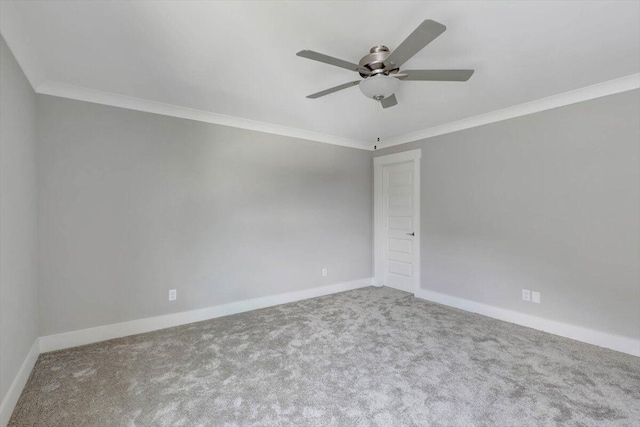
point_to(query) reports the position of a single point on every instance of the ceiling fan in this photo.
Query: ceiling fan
(380, 69)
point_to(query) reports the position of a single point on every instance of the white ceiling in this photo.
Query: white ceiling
(238, 58)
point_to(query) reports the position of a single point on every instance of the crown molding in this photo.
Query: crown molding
(11, 29)
(123, 101)
(583, 94)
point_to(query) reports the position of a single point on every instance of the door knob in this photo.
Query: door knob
(411, 234)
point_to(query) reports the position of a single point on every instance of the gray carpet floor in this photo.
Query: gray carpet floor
(369, 357)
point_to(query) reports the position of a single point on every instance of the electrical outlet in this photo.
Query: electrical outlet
(526, 295)
(173, 294)
(535, 297)
(324, 272)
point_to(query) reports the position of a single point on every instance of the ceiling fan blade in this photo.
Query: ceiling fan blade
(421, 36)
(438, 75)
(309, 54)
(389, 101)
(333, 89)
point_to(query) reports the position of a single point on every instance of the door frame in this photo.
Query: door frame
(378, 244)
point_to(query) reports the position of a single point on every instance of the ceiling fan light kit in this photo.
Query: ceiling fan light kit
(380, 68)
(379, 86)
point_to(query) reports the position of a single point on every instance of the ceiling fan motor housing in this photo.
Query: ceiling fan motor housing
(373, 63)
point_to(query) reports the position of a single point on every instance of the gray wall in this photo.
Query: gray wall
(547, 202)
(18, 238)
(134, 204)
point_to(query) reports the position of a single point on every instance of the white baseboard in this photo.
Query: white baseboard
(118, 330)
(590, 336)
(13, 394)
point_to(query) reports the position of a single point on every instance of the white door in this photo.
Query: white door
(397, 220)
(398, 226)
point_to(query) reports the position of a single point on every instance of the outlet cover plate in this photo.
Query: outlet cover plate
(535, 297)
(526, 295)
